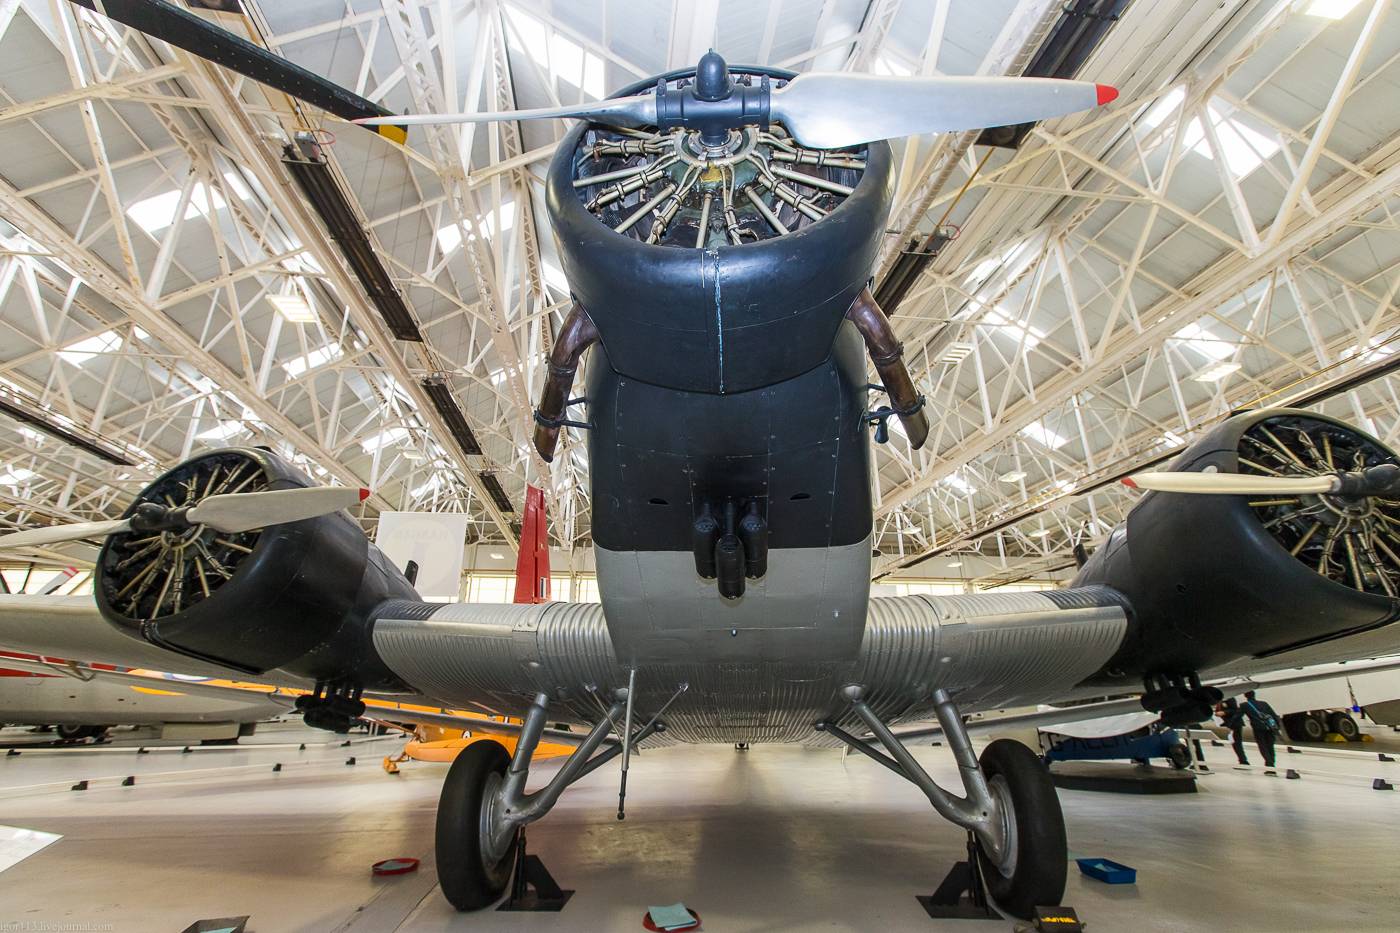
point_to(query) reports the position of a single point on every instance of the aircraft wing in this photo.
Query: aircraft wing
(146, 681)
(71, 627)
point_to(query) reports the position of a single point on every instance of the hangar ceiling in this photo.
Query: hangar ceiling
(1225, 229)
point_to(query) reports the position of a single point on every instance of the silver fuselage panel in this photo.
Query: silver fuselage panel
(988, 650)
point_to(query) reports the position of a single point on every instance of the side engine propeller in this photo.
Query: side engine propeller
(227, 512)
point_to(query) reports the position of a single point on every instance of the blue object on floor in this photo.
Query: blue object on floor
(1106, 871)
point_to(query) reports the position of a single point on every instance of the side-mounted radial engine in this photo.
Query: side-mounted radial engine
(295, 598)
(1218, 579)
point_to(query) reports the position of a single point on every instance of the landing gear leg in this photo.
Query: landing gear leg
(1011, 807)
(484, 806)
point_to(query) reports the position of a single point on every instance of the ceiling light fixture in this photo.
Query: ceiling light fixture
(1015, 476)
(956, 353)
(1041, 533)
(955, 563)
(294, 308)
(1216, 373)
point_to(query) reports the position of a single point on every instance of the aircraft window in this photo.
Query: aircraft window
(659, 502)
(800, 495)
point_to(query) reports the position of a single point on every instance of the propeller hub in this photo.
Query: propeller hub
(712, 81)
(714, 104)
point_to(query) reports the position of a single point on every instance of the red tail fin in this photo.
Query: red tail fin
(532, 565)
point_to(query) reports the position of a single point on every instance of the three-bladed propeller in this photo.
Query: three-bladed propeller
(229, 513)
(1382, 480)
(820, 110)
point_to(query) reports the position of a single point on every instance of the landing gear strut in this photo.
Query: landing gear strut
(1011, 807)
(484, 805)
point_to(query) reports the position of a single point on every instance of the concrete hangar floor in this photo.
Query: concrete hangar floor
(772, 838)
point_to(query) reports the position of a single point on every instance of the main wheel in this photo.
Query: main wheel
(1035, 876)
(72, 733)
(1345, 726)
(1179, 755)
(1313, 728)
(471, 876)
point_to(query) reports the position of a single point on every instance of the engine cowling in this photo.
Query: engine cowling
(295, 597)
(716, 269)
(1213, 579)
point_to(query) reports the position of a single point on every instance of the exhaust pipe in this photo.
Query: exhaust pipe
(887, 354)
(577, 335)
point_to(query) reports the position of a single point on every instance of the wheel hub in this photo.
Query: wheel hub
(495, 830)
(1002, 850)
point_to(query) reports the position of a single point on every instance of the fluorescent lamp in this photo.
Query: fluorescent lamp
(956, 353)
(1216, 373)
(1041, 533)
(1015, 476)
(496, 555)
(294, 308)
(409, 453)
(955, 563)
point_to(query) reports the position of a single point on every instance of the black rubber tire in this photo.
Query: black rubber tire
(1179, 755)
(1042, 851)
(1345, 726)
(1313, 729)
(467, 881)
(71, 733)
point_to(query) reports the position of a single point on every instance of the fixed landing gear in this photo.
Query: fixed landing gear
(484, 805)
(1011, 807)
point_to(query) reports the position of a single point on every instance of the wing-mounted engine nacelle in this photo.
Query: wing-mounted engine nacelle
(295, 597)
(1216, 578)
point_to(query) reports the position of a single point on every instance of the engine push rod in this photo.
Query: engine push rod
(986, 813)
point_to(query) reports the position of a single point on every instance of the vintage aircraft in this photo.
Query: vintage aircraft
(718, 229)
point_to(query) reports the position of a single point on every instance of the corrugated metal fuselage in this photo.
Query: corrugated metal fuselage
(766, 666)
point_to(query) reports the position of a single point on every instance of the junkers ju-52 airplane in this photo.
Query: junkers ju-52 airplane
(718, 229)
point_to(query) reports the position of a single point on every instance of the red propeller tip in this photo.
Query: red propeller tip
(1127, 481)
(364, 494)
(1106, 93)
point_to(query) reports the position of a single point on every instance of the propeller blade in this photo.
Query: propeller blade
(830, 110)
(622, 111)
(54, 534)
(234, 512)
(1232, 484)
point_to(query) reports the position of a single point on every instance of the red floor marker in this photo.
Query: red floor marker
(395, 866)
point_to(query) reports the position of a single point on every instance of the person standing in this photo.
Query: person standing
(1232, 718)
(1264, 721)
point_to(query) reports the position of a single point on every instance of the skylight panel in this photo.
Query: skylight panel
(1043, 435)
(16, 475)
(84, 350)
(384, 439)
(313, 360)
(1013, 329)
(960, 484)
(1332, 9)
(560, 54)
(450, 236)
(157, 213)
(1204, 342)
(226, 430)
